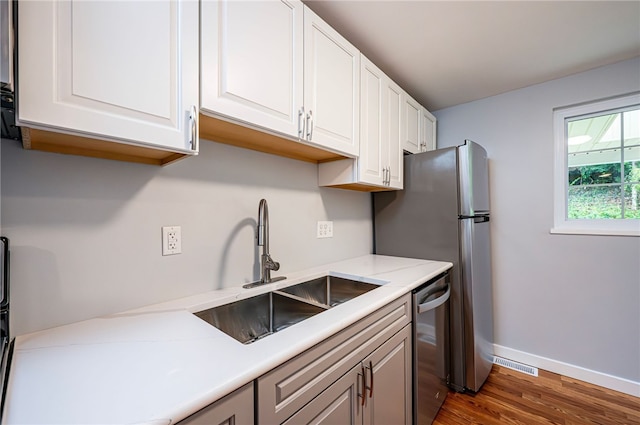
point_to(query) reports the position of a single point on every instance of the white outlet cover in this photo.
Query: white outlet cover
(171, 240)
(325, 229)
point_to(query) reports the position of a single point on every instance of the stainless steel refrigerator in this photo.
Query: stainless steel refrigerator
(443, 214)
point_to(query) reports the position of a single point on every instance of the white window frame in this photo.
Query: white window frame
(561, 224)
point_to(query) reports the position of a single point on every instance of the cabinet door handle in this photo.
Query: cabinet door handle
(193, 123)
(301, 123)
(310, 125)
(371, 372)
(364, 385)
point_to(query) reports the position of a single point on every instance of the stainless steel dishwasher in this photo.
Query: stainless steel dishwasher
(430, 348)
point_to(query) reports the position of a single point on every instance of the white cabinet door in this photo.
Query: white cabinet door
(331, 87)
(412, 115)
(380, 160)
(393, 134)
(252, 61)
(428, 131)
(380, 164)
(115, 70)
(372, 161)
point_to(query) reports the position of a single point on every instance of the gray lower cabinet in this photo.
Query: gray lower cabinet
(234, 409)
(390, 391)
(338, 404)
(360, 375)
(377, 391)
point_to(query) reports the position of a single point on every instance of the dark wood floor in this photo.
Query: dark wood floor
(510, 397)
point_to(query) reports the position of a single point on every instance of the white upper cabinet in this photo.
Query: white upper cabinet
(380, 160)
(252, 62)
(428, 131)
(412, 116)
(418, 127)
(393, 133)
(124, 71)
(372, 161)
(379, 165)
(331, 87)
(275, 66)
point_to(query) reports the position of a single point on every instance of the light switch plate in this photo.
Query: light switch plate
(325, 229)
(171, 240)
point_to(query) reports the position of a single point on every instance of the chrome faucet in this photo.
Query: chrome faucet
(266, 262)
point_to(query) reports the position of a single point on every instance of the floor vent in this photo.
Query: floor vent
(520, 367)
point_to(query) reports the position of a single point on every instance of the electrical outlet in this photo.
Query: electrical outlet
(171, 240)
(325, 229)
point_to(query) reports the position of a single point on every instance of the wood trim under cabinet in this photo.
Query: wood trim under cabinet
(361, 187)
(219, 130)
(50, 141)
(214, 129)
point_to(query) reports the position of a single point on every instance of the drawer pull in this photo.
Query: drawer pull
(301, 123)
(371, 372)
(364, 385)
(310, 125)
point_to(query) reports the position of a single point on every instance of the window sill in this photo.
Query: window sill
(581, 229)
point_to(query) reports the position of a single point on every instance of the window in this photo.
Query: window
(597, 168)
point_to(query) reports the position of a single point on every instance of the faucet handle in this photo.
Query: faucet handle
(269, 264)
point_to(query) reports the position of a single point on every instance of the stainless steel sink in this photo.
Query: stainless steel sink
(329, 290)
(254, 318)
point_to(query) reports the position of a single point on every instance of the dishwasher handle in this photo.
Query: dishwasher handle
(430, 305)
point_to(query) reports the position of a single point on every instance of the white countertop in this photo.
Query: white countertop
(159, 364)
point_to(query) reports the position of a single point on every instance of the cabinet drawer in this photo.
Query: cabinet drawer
(234, 408)
(338, 404)
(290, 386)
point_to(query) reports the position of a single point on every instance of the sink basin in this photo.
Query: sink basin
(329, 290)
(254, 318)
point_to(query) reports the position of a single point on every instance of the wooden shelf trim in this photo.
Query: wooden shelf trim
(219, 130)
(50, 141)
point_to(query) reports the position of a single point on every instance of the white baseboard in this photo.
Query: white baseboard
(591, 376)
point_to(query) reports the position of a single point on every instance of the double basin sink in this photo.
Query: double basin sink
(253, 318)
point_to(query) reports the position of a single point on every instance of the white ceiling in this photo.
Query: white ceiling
(445, 53)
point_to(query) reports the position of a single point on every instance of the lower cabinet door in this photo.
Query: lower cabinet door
(341, 403)
(378, 390)
(234, 409)
(388, 382)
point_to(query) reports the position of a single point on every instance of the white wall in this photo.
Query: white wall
(86, 239)
(558, 298)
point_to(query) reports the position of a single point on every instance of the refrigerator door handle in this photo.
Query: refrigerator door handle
(476, 218)
(4, 273)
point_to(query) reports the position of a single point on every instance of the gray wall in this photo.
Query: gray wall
(573, 299)
(86, 238)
